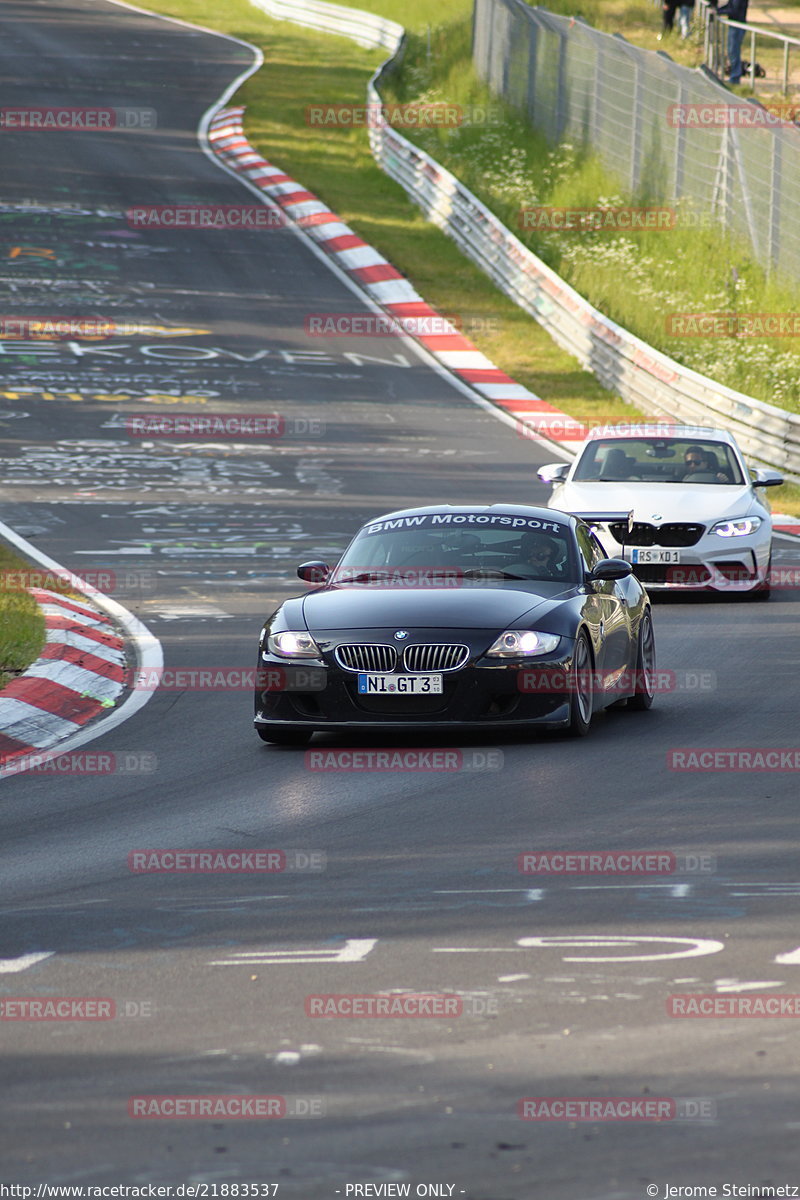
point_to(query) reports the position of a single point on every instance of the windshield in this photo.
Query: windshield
(658, 460)
(440, 548)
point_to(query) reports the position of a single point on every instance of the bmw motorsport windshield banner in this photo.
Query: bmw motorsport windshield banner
(445, 520)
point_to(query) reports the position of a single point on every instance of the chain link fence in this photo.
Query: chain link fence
(669, 132)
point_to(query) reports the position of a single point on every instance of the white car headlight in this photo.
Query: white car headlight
(293, 644)
(519, 643)
(737, 527)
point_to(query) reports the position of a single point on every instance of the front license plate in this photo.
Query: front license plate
(412, 685)
(641, 555)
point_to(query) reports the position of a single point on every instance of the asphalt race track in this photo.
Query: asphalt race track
(404, 880)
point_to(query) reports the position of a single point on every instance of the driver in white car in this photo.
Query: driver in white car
(700, 461)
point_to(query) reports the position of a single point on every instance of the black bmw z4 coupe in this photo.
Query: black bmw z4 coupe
(458, 617)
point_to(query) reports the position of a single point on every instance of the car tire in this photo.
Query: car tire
(644, 695)
(285, 737)
(580, 699)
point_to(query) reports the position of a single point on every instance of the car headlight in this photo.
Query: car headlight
(293, 644)
(737, 527)
(521, 643)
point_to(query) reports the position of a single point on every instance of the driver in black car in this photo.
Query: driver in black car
(539, 556)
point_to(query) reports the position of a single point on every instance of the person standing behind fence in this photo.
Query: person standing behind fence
(685, 17)
(668, 16)
(735, 10)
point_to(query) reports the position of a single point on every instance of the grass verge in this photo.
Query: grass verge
(693, 267)
(22, 629)
(304, 68)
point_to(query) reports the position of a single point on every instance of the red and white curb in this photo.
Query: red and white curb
(385, 286)
(80, 673)
(77, 689)
(783, 523)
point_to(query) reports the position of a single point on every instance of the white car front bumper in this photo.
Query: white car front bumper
(713, 563)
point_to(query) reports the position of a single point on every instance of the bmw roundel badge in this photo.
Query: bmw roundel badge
(401, 634)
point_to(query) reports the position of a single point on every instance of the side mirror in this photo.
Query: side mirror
(610, 568)
(766, 478)
(553, 472)
(314, 572)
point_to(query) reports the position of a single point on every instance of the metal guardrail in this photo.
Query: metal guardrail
(621, 362)
(365, 28)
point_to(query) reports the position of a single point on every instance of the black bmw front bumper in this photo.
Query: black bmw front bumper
(486, 693)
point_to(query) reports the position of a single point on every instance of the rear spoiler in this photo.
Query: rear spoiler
(606, 518)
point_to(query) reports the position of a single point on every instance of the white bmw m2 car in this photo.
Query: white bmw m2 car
(698, 523)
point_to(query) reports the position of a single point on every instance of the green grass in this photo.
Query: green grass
(683, 269)
(304, 68)
(22, 629)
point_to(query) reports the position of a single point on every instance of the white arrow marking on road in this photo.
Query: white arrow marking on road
(793, 956)
(485, 891)
(354, 950)
(697, 947)
(9, 966)
(734, 985)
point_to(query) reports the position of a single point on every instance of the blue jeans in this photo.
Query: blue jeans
(735, 39)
